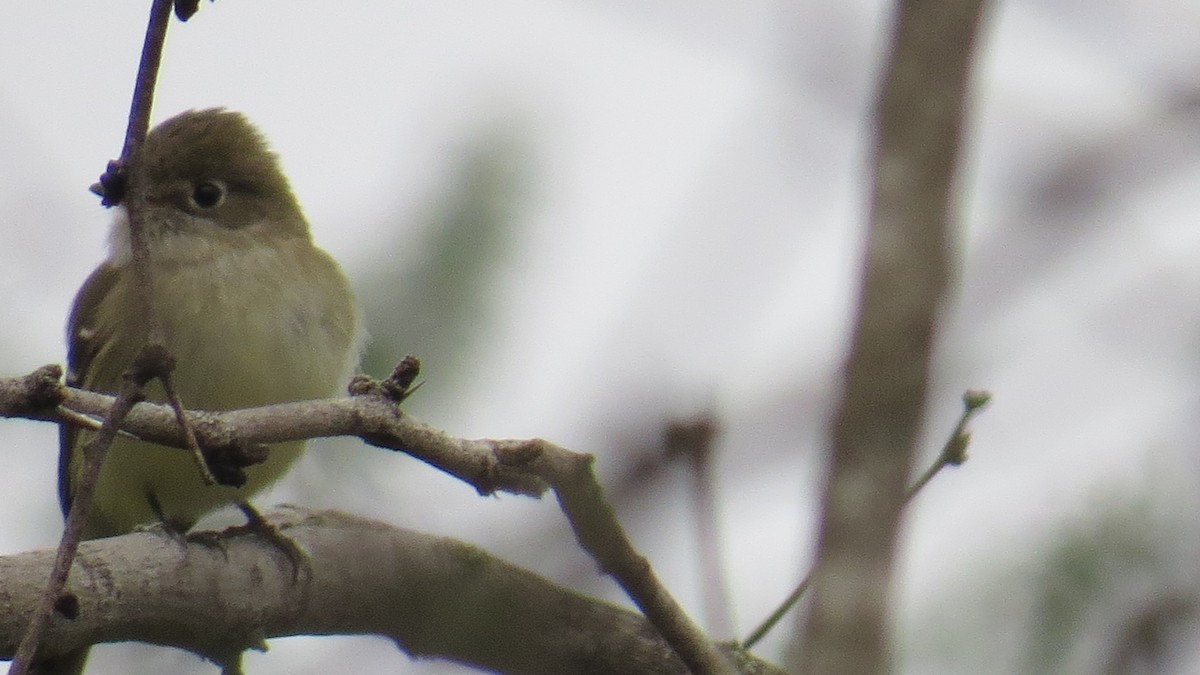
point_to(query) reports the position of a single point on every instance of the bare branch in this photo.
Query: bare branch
(954, 453)
(114, 187)
(94, 452)
(525, 467)
(907, 267)
(693, 439)
(219, 595)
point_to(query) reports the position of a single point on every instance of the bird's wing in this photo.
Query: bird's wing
(84, 340)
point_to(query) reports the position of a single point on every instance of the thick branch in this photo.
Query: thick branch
(435, 597)
(908, 262)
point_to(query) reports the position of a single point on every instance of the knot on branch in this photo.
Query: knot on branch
(497, 470)
(397, 387)
(43, 387)
(113, 184)
(518, 453)
(186, 9)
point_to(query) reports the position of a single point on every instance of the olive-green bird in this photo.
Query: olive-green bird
(251, 309)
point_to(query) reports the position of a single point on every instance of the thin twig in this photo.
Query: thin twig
(135, 135)
(189, 434)
(784, 607)
(95, 451)
(590, 514)
(599, 532)
(693, 440)
(147, 77)
(907, 269)
(581, 497)
(953, 453)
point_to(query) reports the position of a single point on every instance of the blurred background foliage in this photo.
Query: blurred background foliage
(443, 300)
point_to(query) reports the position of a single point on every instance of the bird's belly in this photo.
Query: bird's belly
(240, 357)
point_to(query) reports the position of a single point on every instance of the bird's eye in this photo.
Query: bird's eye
(208, 194)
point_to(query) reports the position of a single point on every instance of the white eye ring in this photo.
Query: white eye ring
(207, 194)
